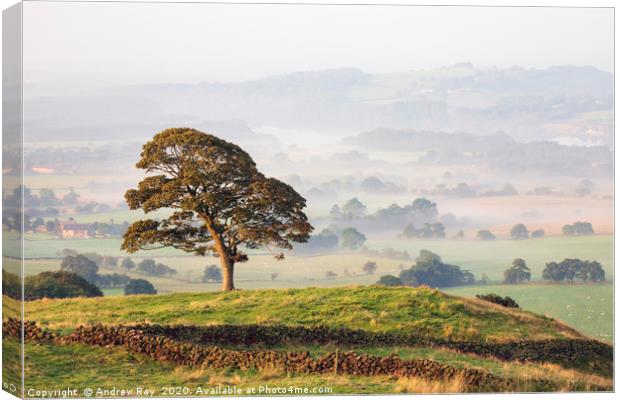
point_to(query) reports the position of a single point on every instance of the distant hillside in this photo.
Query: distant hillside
(524, 103)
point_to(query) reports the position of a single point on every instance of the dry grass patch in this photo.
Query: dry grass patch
(412, 384)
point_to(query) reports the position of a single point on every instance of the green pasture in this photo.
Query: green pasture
(493, 257)
(586, 307)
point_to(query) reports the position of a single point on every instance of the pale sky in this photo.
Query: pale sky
(121, 43)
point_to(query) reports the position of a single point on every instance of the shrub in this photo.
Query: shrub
(502, 301)
(390, 280)
(58, 285)
(139, 286)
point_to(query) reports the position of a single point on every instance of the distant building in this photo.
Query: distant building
(39, 169)
(73, 230)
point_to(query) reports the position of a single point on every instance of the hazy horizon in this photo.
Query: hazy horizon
(174, 45)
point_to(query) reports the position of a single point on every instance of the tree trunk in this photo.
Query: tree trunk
(228, 268)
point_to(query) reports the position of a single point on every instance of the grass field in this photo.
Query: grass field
(588, 308)
(592, 316)
(493, 257)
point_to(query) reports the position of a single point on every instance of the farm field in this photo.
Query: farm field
(493, 257)
(586, 307)
(480, 257)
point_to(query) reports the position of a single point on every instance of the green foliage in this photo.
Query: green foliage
(11, 285)
(519, 232)
(390, 280)
(351, 238)
(58, 285)
(430, 270)
(571, 269)
(221, 202)
(578, 229)
(518, 272)
(139, 286)
(502, 301)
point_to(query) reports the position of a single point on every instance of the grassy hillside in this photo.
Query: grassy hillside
(588, 308)
(411, 310)
(422, 311)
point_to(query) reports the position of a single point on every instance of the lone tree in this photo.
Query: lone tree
(518, 272)
(220, 201)
(519, 232)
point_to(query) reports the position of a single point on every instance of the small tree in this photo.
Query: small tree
(518, 272)
(390, 280)
(128, 264)
(352, 238)
(538, 233)
(221, 203)
(212, 274)
(139, 286)
(370, 267)
(274, 276)
(519, 232)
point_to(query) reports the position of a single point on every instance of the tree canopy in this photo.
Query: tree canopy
(519, 232)
(221, 203)
(518, 272)
(430, 270)
(139, 286)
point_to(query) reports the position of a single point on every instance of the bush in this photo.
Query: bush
(502, 301)
(430, 270)
(390, 280)
(58, 285)
(139, 286)
(11, 285)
